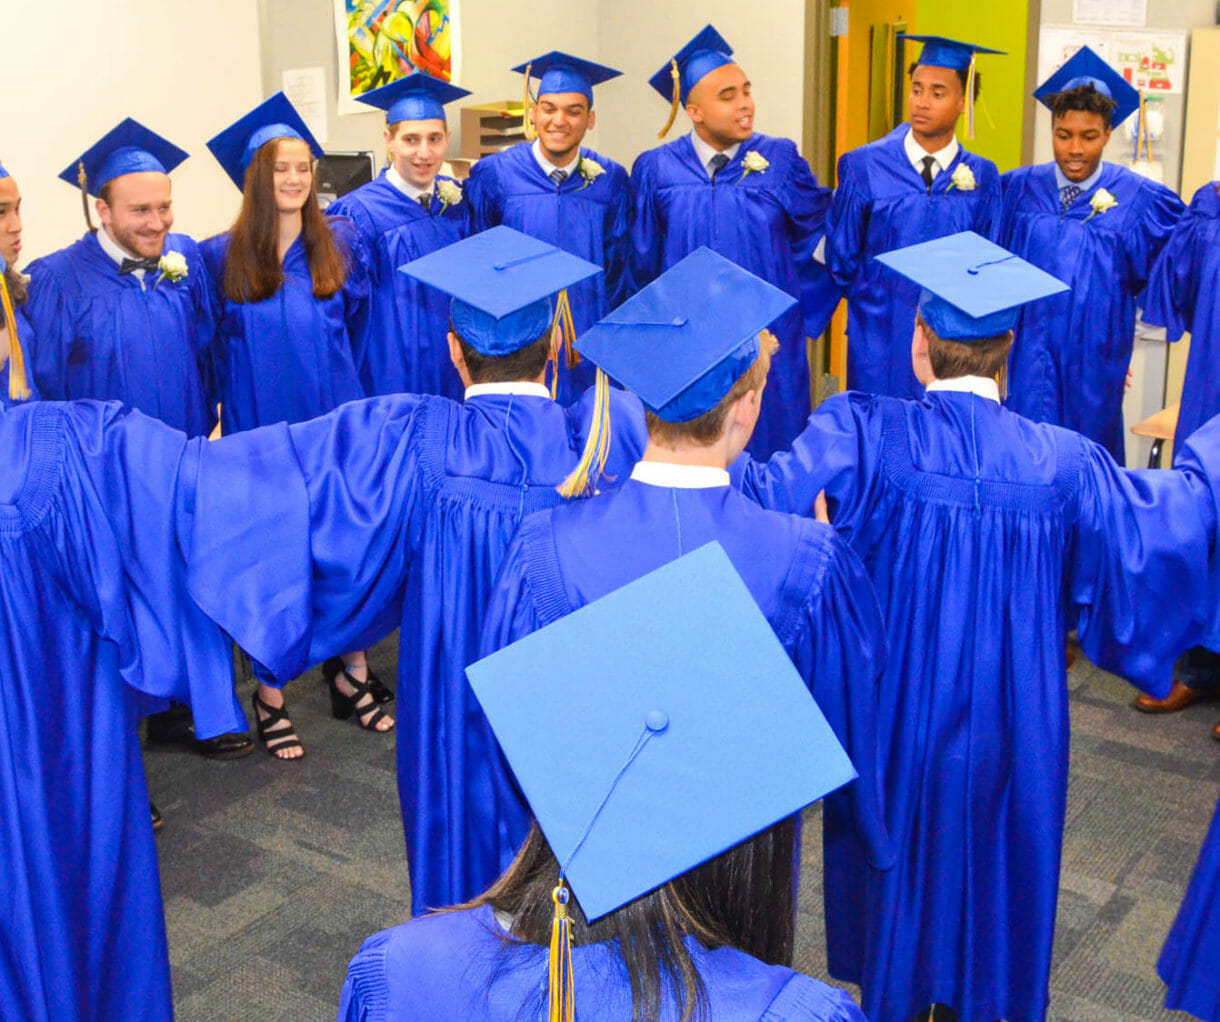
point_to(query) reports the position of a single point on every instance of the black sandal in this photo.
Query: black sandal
(362, 702)
(381, 691)
(275, 738)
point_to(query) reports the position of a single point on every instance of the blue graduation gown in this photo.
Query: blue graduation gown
(813, 591)
(1070, 357)
(322, 537)
(289, 357)
(101, 335)
(769, 223)
(94, 619)
(1183, 294)
(880, 204)
(458, 965)
(588, 219)
(978, 551)
(1190, 961)
(25, 333)
(406, 348)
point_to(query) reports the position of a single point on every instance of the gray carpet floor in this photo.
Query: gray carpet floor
(273, 873)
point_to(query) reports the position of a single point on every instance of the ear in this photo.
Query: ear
(455, 353)
(921, 364)
(103, 210)
(592, 120)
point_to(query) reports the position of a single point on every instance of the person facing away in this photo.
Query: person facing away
(396, 513)
(557, 190)
(692, 346)
(1097, 226)
(983, 533)
(750, 197)
(16, 334)
(636, 929)
(125, 313)
(409, 210)
(915, 184)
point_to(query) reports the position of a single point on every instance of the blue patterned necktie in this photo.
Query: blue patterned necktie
(1067, 195)
(717, 163)
(558, 176)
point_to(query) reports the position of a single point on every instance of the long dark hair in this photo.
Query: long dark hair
(743, 898)
(16, 281)
(252, 266)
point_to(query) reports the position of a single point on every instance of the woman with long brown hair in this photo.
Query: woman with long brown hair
(16, 334)
(292, 296)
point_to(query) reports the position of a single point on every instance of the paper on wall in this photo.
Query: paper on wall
(305, 88)
(1110, 12)
(1152, 61)
(1057, 45)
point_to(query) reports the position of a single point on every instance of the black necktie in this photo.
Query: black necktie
(926, 173)
(425, 200)
(148, 265)
(717, 163)
(558, 176)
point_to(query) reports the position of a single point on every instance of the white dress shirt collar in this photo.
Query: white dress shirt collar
(520, 387)
(547, 166)
(1061, 181)
(405, 186)
(116, 251)
(705, 152)
(983, 386)
(679, 477)
(915, 153)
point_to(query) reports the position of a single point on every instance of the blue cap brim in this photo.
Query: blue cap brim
(704, 53)
(1086, 67)
(414, 97)
(939, 51)
(561, 72)
(276, 117)
(128, 148)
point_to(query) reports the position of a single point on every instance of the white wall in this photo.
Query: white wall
(184, 70)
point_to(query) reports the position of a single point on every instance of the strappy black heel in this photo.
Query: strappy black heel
(381, 691)
(275, 739)
(362, 702)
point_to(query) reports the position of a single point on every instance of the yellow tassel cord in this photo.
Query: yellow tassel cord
(561, 997)
(970, 100)
(1001, 379)
(563, 333)
(527, 122)
(18, 388)
(1143, 137)
(597, 445)
(676, 75)
(82, 179)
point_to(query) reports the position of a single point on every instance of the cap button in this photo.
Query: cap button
(656, 720)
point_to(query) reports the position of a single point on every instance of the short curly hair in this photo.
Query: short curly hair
(1085, 98)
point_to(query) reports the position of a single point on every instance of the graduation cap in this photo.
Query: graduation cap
(1087, 68)
(707, 51)
(276, 117)
(3, 173)
(561, 72)
(414, 97)
(941, 52)
(690, 732)
(683, 341)
(972, 288)
(127, 148)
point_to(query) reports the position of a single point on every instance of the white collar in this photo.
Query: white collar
(679, 477)
(405, 186)
(705, 152)
(116, 251)
(547, 166)
(520, 387)
(915, 153)
(1061, 181)
(983, 386)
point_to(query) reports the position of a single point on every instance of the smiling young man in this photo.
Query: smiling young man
(915, 184)
(1097, 226)
(407, 212)
(748, 196)
(561, 192)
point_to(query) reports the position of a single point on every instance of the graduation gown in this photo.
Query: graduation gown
(811, 588)
(289, 357)
(1183, 294)
(1070, 357)
(323, 537)
(25, 333)
(768, 222)
(405, 349)
(590, 219)
(94, 620)
(979, 550)
(1190, 961)
(880, 204)
(102, 335)
(458, 965)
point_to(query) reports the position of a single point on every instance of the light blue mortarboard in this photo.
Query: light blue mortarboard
(127, 148)
(683, 341)
(501, 282)
(690, 731)
(1087, 68)
(941, 52)
(276, 117)
(972, 288)
(414, 97)
(704, 53)
(561, 72)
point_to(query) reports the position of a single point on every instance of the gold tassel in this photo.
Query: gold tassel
(597, 445)
(18, 386)
(970, 100)
(527, 123)
(561, 997)
(676, 75)
(82, 179)
(1001, 379)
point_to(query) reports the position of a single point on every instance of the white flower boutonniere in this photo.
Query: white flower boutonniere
(962, 179)
(1101, 201)
(754, 163)
(172, 267)
(449, 192)
(590, 170)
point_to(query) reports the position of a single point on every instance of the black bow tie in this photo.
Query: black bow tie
(148, 265)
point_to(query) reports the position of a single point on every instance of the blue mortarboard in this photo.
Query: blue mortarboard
(691, 724)
(1087, 68)
(941, 52)
(972, 288)
(561, 72)
(128, 148)
(706, 52)
(414, 97)
(276, 117)
(3, 172)
(501, 281)
(683, 341)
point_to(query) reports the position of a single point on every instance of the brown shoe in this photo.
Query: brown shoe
(1180, 697)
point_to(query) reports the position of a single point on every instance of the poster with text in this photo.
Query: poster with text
(1154, 62)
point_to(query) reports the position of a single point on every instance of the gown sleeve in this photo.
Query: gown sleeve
(357, 286)
(990, 204)
(1170, 297)
(647, 230)
(482, 195)
(1147, 234)
(365, 991)
(808, 205)
(47, 310)
(512, 611)
(805, 999)
(617, 234)
(847, 224)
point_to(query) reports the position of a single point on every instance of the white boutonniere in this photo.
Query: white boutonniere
(962, 179)
(449, 192)
(590, 170)
(754, 163)
(1101, 201)
(172, 267)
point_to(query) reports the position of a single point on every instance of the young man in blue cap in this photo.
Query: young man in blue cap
(396, 513)
(915, 184)
(1099, 227)
(561, 192)
(748, 196)
(411, 209)
(694, 348)
(983, 533)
